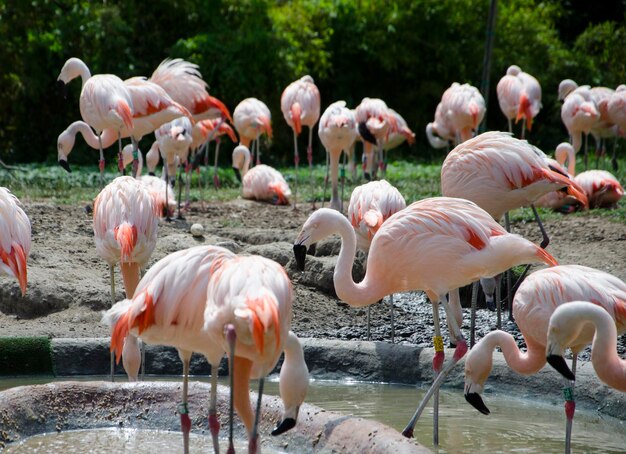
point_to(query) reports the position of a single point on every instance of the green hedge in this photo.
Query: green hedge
(25, 356)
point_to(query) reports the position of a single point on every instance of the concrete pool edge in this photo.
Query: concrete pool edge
(37, 409)
(360, 360)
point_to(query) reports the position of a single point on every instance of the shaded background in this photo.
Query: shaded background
(405, 52)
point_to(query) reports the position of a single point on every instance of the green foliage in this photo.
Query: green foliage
(406, 52)
(25, 356)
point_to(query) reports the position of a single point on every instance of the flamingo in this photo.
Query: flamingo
(565, 325)
(252, 118)
(602, 188)
(604, 128)
(439, 132)
(519, 96)
(579, 114)
(105, 101)
(436, 245)
(465, 111)
(399, 133)
(370, 205)
(337, 131)
(374, 121)
(535, 301)
(125, 221)
(300, 104)
(616, 111)
(500, 173)
(207, 130)
(262, 182)
(15, 238)
(174, 139)
(167, 309)
(253, 297)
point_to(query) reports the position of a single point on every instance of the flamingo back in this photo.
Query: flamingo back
(601, 187)
(305, 93)
(263, 182)
(15, 238)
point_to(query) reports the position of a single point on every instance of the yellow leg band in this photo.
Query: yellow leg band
(438, 341)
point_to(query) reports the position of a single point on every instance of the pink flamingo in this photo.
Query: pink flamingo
(125, 220)
(105, 101)
(252, 118)
(519, 96)
(559, 200)
(374, 120)
(602, 188)
(616, 111)
(436, 245)
(15, 238)
(439, 132)
(183, 82)
(252, 297)
(337, 131)
(579, 114)
(261, 182)
(566, 323)
(300, 104)
(465, 109)
(399, 133)
(535, 301)
(604, 128)
(370, 205)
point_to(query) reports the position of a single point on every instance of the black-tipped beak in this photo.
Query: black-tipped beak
(237, 173)
(366, 134)
(63, 163)
(285, 425)
(476, 401)
(558, 362)
(62, 88)
(299, 251)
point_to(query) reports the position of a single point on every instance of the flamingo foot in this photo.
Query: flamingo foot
(309, 155)
(253, 446)
(185, 420)
(438, 361)
(408, 432)
(231, 448)
(460, 350)
(570, 408)
(120, 163)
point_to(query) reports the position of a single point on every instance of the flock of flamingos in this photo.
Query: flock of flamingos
(209, 300)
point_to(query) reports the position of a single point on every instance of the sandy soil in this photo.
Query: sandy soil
(69, 284)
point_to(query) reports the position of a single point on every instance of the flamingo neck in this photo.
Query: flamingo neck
(246, 165)
(356, 295)
(523, 363)
(83, 71)
(83, 128)
(607, 364)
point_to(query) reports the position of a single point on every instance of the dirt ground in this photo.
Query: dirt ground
(68, 284)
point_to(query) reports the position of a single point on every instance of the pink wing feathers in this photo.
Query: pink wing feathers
(15, 238)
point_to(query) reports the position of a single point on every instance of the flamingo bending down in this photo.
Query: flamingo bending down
(252, 118)
(105, 101)
(371, 204)
(15, 238)
(375, 121)
(253, 296)
(465, 109)
(300, 104)
(519, 96)
(439, 132)
(125, 220)
(337, 131)
(565, 325)
(261, 182)
(436, 245)
(535, 300)
(399, 133)
(601, 187)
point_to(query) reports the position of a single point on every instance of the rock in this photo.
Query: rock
(197, 230)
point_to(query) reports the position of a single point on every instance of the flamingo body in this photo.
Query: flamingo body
(304, 94)
(262, 182)
(251, 119)
(602, 188)
(15, 238)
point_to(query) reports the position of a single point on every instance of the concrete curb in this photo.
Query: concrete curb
(360, 360)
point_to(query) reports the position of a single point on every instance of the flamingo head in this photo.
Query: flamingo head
(478, 365)
(240, 160)
(561, 333)
(321, 224)
(65, 144)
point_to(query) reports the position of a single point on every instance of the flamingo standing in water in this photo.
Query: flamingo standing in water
(565, 325)
(519, 96)
(436, 245)
(261, 182)
(300, 104)
(252, 118)
(500, 173)
(105, 102)
(370, 205)
(535, 301)
(125, 220)
(252, 297)
(15, 238)
(337, 131)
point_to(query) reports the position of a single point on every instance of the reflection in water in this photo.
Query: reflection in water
(515, 425)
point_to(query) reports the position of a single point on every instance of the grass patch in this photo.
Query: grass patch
(25, 356)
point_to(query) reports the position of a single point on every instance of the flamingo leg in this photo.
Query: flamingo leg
(120, 157)
(343, 179)
(214, 424)
(216, 179)
(509, 296)
(180, 190)
(183, 407)
(112, 281)
(393, 328)
(437, 363)
(231, 338)
(510, 125)
(523, 133)
(136, 152)
(101, 161)
(254, 437)
(296, 161)
(309, 153)
(326, 178)
(614, 157)
(570, 407)
(167, 186)
(143, 361)
(473, 314)
(585, 155)
(258, 148)
(188, 181)
(543, 245)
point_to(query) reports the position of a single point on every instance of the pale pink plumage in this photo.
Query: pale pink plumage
(371, 204)
(375, 120)
(605, 127)
(616, 108)
(535, 301)
(501, 173)
(174, 139)
(15, 238)
(602, 188)
(519, 96)
(252, 118)
(183, 82)
(399, 133)
(464, 108)
(439, 132)
(261, 182)
(337, 132)
(300, 104)
(579, 114)
(569, 319)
